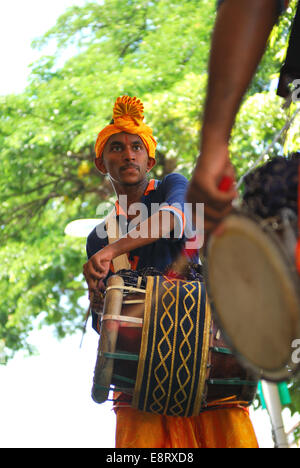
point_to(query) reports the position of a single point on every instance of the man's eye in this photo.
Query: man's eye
(137, 147)
(116, 148)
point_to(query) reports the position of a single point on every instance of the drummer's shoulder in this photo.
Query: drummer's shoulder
(97, 238)
(174, 179)
(172, 188)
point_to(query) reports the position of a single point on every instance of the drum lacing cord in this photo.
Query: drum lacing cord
(135, 321)
(126, 288)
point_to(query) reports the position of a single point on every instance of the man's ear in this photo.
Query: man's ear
(100, 166)
(151, 163)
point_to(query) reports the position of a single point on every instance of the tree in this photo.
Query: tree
(48, 135)
(156, 50)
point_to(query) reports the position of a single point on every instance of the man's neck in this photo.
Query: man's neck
(133, 193)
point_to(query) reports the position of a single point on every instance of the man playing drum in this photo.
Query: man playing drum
(125, 151)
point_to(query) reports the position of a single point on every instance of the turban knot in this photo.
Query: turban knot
(128, 116)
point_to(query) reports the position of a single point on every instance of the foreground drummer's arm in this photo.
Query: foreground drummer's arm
(234, 59)
(239, 40)
(147, 232)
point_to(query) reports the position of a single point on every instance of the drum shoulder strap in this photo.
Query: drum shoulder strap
(113, 233)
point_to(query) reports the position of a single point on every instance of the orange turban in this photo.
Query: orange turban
(128, 117)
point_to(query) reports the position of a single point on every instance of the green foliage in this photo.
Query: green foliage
(156, 50)
(294, 406)
(294, 389)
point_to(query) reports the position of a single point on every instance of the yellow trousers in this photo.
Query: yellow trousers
(222, 428)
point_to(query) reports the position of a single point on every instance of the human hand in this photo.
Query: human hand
(96, 269)
(210, 171)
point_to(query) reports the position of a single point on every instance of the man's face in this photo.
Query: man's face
(125, 159)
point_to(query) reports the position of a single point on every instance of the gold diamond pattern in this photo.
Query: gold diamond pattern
(168, 300)
(181, 396)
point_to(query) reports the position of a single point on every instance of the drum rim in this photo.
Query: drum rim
(277, 375)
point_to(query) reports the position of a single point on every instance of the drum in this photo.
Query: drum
(251, 274)
(159, 347)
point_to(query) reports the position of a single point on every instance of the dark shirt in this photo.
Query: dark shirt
(168, 194)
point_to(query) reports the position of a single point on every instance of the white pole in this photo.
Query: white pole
(272, 399)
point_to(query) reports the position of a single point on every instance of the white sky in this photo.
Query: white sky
(45, 400)
(22, 21)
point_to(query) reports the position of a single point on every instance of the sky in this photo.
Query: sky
(45, 400)
(20, 23)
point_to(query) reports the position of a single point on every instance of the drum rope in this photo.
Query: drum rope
(124, 318)
(126, 288)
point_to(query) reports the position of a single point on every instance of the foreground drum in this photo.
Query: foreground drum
(159, 347)
(251, 275)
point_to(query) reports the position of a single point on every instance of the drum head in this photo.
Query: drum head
(255, 297)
